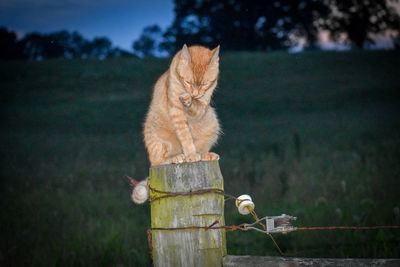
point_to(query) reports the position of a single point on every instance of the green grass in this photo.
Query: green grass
(314, 135)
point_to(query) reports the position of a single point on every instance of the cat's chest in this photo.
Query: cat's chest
(206, 125)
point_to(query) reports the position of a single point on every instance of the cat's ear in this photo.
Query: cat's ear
(215, 57)
(185, 56)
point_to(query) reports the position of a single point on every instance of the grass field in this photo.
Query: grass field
(314, 135)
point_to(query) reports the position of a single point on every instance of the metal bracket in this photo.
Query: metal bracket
(274, 224)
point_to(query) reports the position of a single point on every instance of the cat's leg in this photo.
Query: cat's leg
(157, 153)
(204, 142)
(194, 108)
(181, 126)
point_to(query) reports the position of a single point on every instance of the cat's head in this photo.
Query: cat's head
(198, 69)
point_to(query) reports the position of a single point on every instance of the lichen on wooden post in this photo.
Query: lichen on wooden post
(195, 247)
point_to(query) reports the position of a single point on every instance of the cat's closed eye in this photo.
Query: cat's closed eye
(189, 83)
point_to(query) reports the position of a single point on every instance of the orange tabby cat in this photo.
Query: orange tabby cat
(180, 125)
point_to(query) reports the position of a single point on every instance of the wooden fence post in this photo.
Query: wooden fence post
(195, 247)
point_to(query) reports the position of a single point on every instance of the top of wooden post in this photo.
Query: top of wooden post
(187, 177)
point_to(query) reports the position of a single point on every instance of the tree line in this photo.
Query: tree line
(261, 25)
(62, 44)
(269, 25)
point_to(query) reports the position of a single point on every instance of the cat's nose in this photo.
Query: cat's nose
(195, 92)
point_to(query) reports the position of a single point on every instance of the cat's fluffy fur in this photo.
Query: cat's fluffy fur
(180, 125)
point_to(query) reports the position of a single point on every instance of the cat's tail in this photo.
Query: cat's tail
(141, 192)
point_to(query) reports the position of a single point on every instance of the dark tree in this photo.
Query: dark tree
(100, 47)
(117, 52)
(61, 44)
(9, 47)
(358, 19)
(243, 24)
(34, 46)
(303, 19)
(54, 45)
(148, 42)
(396, 41)
(58, 44)
(207, 22)
(76, 45)
(64, 45)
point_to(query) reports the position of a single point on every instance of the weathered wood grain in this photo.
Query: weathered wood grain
(258, 261)
(187, 247)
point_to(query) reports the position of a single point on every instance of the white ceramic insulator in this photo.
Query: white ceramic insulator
(140, 193)
(244, 204)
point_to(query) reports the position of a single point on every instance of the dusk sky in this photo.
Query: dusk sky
(121, 21)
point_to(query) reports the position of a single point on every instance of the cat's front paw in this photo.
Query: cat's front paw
(209, 156)
(175, 159)
(186, 99)
(193, 157)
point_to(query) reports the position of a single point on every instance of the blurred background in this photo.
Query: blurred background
(308, 99)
